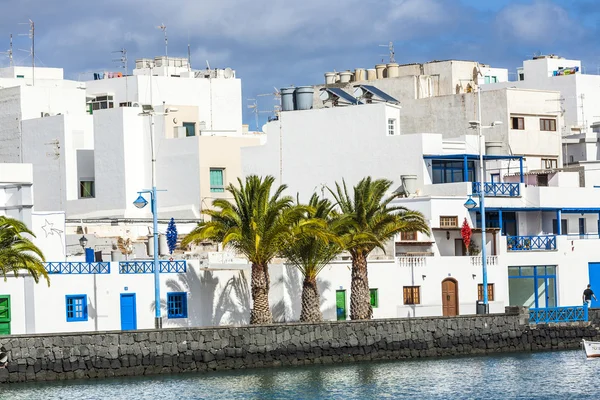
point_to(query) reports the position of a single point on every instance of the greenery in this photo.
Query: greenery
(18, 253)
(261, 226)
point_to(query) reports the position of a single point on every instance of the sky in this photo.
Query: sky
(277, 43)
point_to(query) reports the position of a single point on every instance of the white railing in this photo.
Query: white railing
(491, 260)
(416, 261)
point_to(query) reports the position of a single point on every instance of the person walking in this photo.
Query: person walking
(587, 296)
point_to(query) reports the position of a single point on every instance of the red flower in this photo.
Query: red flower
(466, 232)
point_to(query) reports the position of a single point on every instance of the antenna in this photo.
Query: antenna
(391, 54)
(254, 107)
(122, 60)
(9, 53)
(189, 54)
(163, 28)
(31, 35)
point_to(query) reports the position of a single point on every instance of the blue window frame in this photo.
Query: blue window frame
(216, 180)
(452, 171)
(177, 305)
(532, 286)
(76, 305)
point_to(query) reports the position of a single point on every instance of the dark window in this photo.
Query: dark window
(452, 171)
(86, 189)
(517, 123)
(563, 227)
(190, 128)
(542, 180)
(412, 294)
(490, 291)
(549, 163)
(547, 124)
(177, 305)
(77, 308)
(20, 76)
(408, 235)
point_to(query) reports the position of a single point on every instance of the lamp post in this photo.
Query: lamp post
(470, 203)
(141, 202)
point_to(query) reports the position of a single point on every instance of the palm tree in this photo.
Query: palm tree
(310, 253)
(256, 224)
(18, 253)
(371, 222)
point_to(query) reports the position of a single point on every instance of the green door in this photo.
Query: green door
(4, 315)
(340, 304)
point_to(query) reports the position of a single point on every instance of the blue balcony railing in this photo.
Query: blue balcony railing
(497, 189)
(528, 243)
(147, 266)
(66, 267)
(558, 314)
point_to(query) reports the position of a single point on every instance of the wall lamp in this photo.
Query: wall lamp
(474, 276)
(423, 277)
(447, 235)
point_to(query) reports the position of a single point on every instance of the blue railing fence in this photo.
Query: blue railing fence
(70, 267)
(497, 189)
(528, 243)
(558, 314)
(147, 266)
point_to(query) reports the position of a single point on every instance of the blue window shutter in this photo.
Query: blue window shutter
(216, 180)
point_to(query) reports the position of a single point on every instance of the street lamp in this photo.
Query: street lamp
(141, 202)
(470, 203)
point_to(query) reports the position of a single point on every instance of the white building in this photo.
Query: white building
(578, 100)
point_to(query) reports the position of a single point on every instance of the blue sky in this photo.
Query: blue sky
(275, 43)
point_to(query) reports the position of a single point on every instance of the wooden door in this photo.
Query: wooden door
(449, 297)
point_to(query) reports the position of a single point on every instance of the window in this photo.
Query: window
(549, 163)
(408, 235)
(490, 291)
(20, 76)
(563, 227)
(451, 171)
(374, 298)
(86, 189)
(125, 104)
(102, 102)
(190, 128)
(521, 76)
(547, 124)
(532, 286)
(448, 222)
(177, 305)
(571, 159)
(216, 180)
(486, 79)
(412, 294)
(542, 180)
(491, 79)
(77, 307)
(517, 123)
(391, 126)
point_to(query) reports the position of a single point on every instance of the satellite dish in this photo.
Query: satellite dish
(228, 73)
(174, 120)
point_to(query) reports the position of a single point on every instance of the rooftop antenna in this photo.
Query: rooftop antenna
(254, 107)
(123, 61)
(390, 47)
(31, 35)
(189, 54)
(163, 28)
(9, 53)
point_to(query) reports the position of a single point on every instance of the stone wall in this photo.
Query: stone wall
(106, 354)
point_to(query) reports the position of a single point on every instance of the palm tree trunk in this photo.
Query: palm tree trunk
(311, 304)
(360, 298)
(261, 312)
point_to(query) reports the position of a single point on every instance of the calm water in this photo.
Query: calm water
(556, 375)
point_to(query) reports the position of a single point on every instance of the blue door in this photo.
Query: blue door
(128, 314)
(594, 271)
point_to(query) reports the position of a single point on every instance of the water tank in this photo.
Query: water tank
(371, 74)
(392, 70)
(345, 76)
(380, 70)
(304, 97)
(359, 74)
(329, 78)
(409, 182)
(493, 148)
(287, 99)
(163, 247)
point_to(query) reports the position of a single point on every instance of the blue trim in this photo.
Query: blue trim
(147, 267)
(133, 324)
(529, 243)
(558, 314)
(497, 189)
(536, 277)
(76, 307)
(470, 157)
(77, 267)
(500, 222)
(521, 169)
(589, 210)
(558, 222)
(177, 305)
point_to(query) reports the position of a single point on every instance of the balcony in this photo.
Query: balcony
(497, 189)
(531, 243)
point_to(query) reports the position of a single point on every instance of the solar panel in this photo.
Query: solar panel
(379, 93)
(343, 95)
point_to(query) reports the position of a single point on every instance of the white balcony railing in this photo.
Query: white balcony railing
(491, 260)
